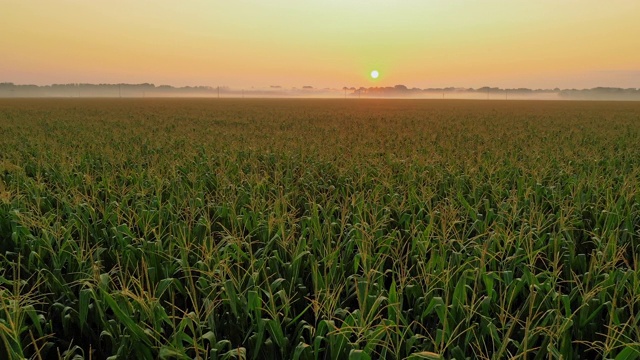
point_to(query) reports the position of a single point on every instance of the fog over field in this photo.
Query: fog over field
(10, 90)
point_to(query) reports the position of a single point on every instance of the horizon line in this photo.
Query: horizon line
(276, 88)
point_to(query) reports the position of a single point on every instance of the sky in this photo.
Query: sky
(329, 43)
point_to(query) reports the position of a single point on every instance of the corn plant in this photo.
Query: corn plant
(319, 229)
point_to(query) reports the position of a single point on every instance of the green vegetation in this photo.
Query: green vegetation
(319, 229)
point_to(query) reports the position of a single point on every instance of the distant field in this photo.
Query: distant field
(319, 229)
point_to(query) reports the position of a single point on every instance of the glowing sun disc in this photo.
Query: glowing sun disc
(375, 74)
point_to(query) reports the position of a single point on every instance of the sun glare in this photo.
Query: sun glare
(375, 74)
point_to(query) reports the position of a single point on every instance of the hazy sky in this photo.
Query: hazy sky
(328, 43)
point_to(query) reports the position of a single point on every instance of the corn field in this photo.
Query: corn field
(319, 229)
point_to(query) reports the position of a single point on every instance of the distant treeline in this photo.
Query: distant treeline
(602, 93)
(8, 89)
(103, 90)
(598, 93)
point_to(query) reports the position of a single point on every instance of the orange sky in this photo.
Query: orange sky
(330, 43)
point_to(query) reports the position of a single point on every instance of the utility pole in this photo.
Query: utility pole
(218, 91)
(119, 90)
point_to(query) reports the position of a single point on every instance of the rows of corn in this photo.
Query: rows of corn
(319, 229)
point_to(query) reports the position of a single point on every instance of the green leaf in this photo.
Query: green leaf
(628, 353)
(424, 355)
(85, 296)
(253, 301)
(300, 349)
(168, 353)
(358, 355)
(125, 319)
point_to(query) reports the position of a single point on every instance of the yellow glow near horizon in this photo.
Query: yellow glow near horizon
(426, 43)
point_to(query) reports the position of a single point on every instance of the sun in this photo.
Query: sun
(375, 74)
